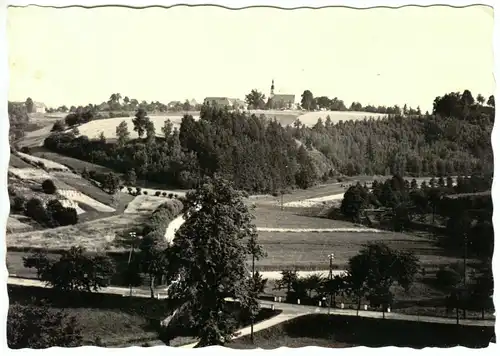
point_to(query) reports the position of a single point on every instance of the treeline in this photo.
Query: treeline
(428, 145)
(117, 102)
(257, 154)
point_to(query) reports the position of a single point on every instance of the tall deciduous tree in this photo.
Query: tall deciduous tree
(140, 121)
(211, 250)
(122, 134)
(376, 268)
(307, 100)
(255, 99)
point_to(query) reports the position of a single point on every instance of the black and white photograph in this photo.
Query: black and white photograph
(255, 178)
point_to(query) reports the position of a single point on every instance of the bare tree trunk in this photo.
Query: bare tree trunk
(152, 286)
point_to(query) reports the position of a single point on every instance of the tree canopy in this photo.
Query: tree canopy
(211, 249)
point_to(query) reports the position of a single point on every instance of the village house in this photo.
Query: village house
(225, 102)
(39, 107)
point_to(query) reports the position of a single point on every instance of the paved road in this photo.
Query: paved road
(288, 309)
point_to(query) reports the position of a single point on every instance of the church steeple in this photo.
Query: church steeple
(272, 89)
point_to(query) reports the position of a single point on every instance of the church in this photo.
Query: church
(280, 101)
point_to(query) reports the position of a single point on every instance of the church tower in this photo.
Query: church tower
(272, 89)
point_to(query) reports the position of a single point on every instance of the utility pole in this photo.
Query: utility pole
(133, 237)
(465, 273)
(330, 278)
(253, 286)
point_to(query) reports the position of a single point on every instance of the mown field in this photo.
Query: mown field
(298, 218)
(346, 331)
(310, 250)
(94, 128)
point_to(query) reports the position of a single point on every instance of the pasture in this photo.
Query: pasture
(94, 128)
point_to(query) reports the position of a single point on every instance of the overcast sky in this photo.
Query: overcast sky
(377, 56)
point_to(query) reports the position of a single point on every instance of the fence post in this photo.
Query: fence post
(366, 307)
(342, 305)
(298, 301)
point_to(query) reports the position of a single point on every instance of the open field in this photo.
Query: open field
(85, 187)
(78, 197)
(73, 163)
(96, 235)
(31, 174)
(19, 223)
(338, 331)
(17, 162)
(144, 204)
(273, 217)
(94, 128)
(310, 250)
(49, 165)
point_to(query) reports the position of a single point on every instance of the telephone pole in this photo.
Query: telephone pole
(465, 273)
(330, 278)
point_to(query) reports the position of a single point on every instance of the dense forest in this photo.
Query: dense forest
(463, 208)
(455, 140)
(260, 155)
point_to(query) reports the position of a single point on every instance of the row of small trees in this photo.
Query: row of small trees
(52, 214)
(370, 275)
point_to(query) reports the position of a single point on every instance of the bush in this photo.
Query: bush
(447, 277)
(170, 195)
(58, 126)
(157, 194)
(164, 194)
(145, 192)
(61, 215)
(48, 186)
(36, 210)
(26, 150)
(18, 204)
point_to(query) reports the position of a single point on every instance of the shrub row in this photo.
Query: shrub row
(158, 222)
